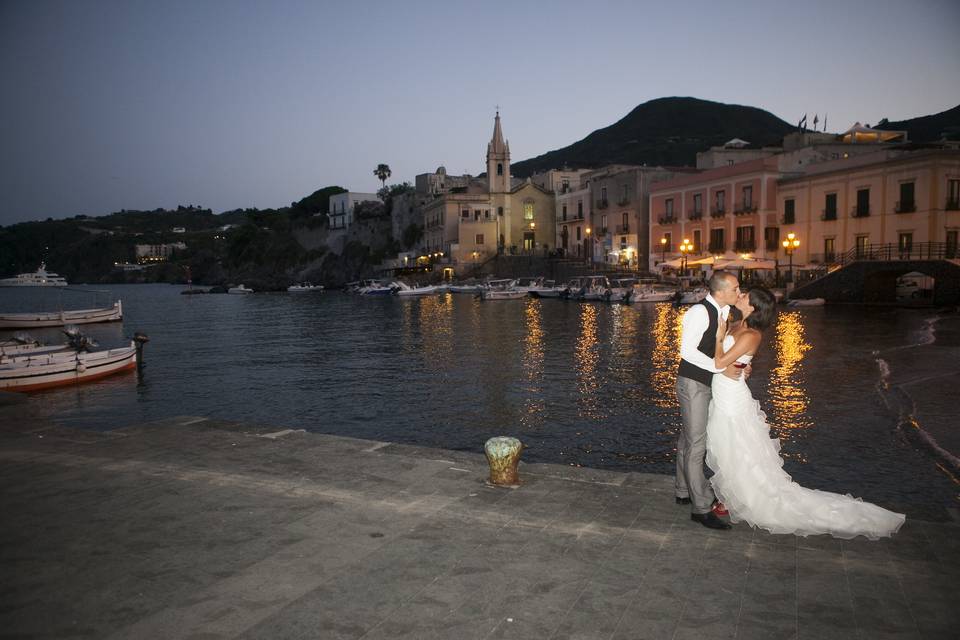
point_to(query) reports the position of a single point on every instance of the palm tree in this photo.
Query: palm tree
(382, 172)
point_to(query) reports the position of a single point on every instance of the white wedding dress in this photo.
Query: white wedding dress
(749, 477)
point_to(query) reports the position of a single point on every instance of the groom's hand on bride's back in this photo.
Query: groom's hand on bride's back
(747, 370)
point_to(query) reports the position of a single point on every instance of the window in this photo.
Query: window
(906, 204)
(863, 203)
(499, 168)
(697, 241)
(603, 223)
(603, 195)
(669, 243)
(565, 185)
(626, 220)
(721, 201)
(580, 208)
(697, 203)
(564, 234)
(528, 211)
(465, 213)
(830, 207)
(564, 212)
(486, 214)
(578, 234)
(862, 244)
(771, 237)
(951, 247)
(623, 195)
(745, 240)
(479, 239)
(668, 207)
(499, 211)
(748, 197)
(953, 195)
(789, 211)
(717, 244)
(906, 242)
(476, 214)
(829, 252)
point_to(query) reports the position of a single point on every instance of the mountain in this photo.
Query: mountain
(945, 124)
(666, 131)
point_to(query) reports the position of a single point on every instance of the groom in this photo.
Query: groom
(698, 337)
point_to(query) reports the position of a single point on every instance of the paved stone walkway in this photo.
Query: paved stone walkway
(191, 528)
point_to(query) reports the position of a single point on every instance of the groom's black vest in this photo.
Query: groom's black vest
(707, 346)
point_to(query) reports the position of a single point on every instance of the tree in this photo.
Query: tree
(382, 172)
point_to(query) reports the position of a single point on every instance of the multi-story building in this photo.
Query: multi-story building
(560, 181)
(431, 185)
(342, 206)
(147, 253)
(897, 196)
(573, 213)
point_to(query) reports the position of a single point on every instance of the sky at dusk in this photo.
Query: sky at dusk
(141, 104)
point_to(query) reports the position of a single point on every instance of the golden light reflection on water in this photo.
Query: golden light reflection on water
(534, 405)
(435, 320)
(788, 397)
(664, 355)
(587, 358)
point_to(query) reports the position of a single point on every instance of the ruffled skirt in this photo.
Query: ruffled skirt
(749, 477)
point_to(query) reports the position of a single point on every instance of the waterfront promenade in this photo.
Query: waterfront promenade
(193, 528)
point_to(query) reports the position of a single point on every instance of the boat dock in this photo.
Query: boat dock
(191, 527)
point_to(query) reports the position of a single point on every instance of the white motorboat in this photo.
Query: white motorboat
(528, 284)
(620, 290)
(465, 288)
(39, 278)
(651, 293)
(239, 289)
(42, 371)
(376, 288)
(693, 295)
(807, 302)
(304, 287)
(501, 290)
(404, 290)
(549, 289)
(594, 288)
(61, 318)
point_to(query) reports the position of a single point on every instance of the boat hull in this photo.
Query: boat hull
(47, 373)
(61, 318)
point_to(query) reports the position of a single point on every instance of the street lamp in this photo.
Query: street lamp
(790, 245)
(663, 249)
(587, 254)
(685, 247)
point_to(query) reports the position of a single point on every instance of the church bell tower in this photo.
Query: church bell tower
(498, 161)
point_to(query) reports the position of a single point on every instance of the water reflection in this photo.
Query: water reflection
(586, 359)
(436, 330)
(664, 355)
(788, 395)
(534, 405)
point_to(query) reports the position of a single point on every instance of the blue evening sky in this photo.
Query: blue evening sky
(139, 104)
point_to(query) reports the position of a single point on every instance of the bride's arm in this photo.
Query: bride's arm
(746, 342)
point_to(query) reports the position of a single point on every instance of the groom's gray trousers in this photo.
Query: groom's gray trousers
(694, 400)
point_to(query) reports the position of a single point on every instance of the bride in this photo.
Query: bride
(748, 470)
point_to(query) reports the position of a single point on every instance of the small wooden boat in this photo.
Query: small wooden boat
(61, 318)
(47, 370)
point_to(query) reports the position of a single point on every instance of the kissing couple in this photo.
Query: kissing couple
(724, 426)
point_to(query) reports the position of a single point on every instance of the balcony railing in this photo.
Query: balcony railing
(718, 212)
(907, 206)
(860, 212)
(571, 217)
(745, 246)
(602, 203)
(695, 214)
(952, 204)
(602, 231)
(623, 228)
(828, 214)
(744, 208)
(718, 247)
(666, 219)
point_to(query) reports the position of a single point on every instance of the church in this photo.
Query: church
(468, 224)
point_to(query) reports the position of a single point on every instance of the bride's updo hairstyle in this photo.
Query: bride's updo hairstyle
(764, 308)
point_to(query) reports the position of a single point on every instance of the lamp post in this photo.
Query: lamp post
(588, 253)
(663, 249)
(790, 245)
(685, 248)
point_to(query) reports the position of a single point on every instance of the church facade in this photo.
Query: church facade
(471, 223)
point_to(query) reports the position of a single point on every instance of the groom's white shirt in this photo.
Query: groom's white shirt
(695, 322)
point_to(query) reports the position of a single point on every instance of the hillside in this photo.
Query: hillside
(666, 131)
(928, 128)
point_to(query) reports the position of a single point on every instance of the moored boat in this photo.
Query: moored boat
(239, 289)
(39, 278)
(404, 290)
(304, 287)
(61, 318)
(43, 371)
(806, 302)
(501, 290)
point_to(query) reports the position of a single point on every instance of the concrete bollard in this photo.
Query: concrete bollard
(503, 455)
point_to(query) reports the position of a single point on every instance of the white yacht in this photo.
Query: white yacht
(39, 278)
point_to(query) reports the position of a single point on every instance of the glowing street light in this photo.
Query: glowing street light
(685, 247)
(663, 249)
(587, 254)
(791, 244)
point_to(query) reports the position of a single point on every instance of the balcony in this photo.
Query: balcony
(717, 247)
(623, 202)
(571, 217)
(860, 212)
(744, 208)
(602, 231)
(907, 206)
(602, 204)
(695, 214)
(745, 246)
(623, 229)
(952, 204)
(718, 212)
(828, 214)
(666, 219)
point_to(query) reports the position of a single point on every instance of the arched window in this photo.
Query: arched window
(499, 168)
(500, 211)
(528, 211)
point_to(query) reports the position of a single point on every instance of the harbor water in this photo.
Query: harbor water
(863, 399)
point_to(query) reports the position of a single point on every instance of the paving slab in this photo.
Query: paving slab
(196, 528)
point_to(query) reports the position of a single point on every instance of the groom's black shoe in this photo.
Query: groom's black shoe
(709, 520)
(683, 500)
